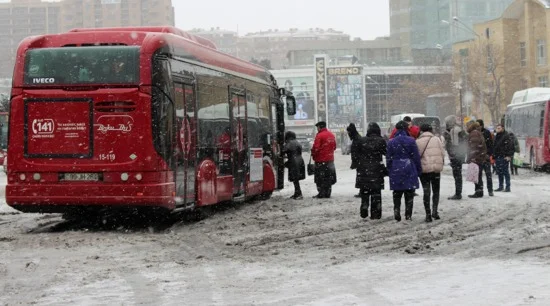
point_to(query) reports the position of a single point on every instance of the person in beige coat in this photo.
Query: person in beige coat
(432, 157)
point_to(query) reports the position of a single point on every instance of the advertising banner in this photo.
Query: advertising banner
(345, 97)
(321, 86)
(303, 90)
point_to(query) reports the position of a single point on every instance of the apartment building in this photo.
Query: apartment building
(518, 41)
(428, 28)
(23, 18)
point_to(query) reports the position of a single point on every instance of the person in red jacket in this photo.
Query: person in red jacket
(413, 130)
(322, 153)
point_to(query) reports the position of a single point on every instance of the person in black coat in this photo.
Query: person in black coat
(295, 163)
(353, 135)
(366, 157)
(504, 153)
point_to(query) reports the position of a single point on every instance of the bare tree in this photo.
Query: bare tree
(483, 72)
(412, 93)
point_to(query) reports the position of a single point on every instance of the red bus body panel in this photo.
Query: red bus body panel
(128, 149)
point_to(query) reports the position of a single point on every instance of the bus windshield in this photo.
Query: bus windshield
(82, 65)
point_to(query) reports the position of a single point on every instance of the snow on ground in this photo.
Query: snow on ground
(490, 251)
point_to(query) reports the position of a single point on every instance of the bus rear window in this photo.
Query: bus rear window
(82, 65)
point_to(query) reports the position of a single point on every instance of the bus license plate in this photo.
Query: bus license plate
(81, 177)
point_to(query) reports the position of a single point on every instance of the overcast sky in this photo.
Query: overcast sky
(367, 19)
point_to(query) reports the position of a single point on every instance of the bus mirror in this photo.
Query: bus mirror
(290, 105)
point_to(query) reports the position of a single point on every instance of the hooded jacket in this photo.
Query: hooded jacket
(477, 150)
(403, 160)
(455, 139)
(366, 155)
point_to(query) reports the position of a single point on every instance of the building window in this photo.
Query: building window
(543, 81)
(523, 54)
(541, 52)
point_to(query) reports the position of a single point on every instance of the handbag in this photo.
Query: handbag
(472, 174)
(310, 167)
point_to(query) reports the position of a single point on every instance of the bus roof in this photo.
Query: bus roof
(530, 95)
(396, 118)
(173, 30)
(176, 42)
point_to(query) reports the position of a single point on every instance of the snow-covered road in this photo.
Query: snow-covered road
(490, 251)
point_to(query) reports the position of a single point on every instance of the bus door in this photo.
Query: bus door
(239, 143)
(186, 129)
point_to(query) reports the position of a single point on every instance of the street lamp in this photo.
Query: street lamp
(377, 85)
(458, 85)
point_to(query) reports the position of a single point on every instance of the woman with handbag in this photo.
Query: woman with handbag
(404, 168)
(294, 163)
(477, 154)
(432, 158)
(366, 157)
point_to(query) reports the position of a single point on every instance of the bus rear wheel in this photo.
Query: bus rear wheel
(265, 196)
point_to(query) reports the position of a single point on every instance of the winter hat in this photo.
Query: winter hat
(426, 128)
(321, 124)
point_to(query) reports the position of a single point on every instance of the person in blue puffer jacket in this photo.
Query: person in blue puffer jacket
(404, 168)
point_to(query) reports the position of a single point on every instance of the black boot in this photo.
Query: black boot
(477, 194)
(435, 214)
(428, 212)
(409, 207)
(455, 197)
(364, 210)
(376, 206)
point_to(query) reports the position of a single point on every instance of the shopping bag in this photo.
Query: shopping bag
(472, 174)
(518, 161)
(310, 167)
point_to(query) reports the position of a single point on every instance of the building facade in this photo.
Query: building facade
(515, 47)
(226, 41)
(428, 28)
(380, 86)
(23, 18)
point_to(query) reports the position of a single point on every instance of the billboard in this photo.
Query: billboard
(321, 86)
(345, 97)
(303, 90)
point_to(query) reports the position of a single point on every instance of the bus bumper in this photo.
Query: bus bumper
(57, 198)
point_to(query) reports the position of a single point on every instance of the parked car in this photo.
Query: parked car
(305, 142)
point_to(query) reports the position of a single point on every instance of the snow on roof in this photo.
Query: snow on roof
(530, 95)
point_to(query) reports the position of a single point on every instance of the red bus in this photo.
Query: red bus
(528, 117)
(147, 117)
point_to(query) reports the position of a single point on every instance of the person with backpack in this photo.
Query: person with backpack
(432, 158)
(366, 156)
(456, 147)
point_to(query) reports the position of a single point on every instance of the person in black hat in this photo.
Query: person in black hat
(322, 154)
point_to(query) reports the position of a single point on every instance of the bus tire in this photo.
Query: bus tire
(265, 196)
